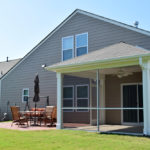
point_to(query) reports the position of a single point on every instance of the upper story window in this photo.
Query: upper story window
(67, 48)
(25, 94)
(81, 44)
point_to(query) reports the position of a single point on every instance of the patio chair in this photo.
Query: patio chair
(50, 115)
(16, 116)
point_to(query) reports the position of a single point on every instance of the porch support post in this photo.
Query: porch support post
(98, 99)
(146, 96)
(59, 101)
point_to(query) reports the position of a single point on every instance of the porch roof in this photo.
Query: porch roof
(116, 55)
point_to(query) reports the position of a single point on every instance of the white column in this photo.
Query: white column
(146, 96)
(59, 101)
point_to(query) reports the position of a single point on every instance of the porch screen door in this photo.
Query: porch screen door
(132, 98)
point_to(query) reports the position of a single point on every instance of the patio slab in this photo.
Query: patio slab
(7, 125)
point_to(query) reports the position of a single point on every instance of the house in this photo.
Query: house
(5, 66)
(102, 69)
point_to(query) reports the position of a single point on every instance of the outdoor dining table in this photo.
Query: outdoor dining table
(35, 115)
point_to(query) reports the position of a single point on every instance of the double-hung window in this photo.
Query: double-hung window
(81, 44)
(67, 48)
(82, 97)
(25, 94)
(68, 97)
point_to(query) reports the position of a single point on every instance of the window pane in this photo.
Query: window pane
(81, 51)
(68, 43)
(82, 92)
(26, 92)
(68, 103)
(68, 92)
(82, 103)
(81, 40)
(25, 98)
(67, 54)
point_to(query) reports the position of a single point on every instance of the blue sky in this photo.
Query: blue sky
(23, 23)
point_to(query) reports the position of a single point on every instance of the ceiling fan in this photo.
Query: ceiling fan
(123, 73)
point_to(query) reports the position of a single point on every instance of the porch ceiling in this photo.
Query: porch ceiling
(91, 74)
(117, 55)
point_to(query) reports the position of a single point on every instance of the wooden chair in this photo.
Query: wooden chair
(50, 115)
(54, 115)
(16, 116)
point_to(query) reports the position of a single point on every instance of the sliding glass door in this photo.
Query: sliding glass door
(132, 98)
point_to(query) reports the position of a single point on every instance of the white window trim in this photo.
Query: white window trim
(23, 94)
(66, 49)
(122, 122)
(82, 46)
(86, 110)
(70, 98)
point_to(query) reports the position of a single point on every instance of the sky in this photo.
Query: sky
(24, 23)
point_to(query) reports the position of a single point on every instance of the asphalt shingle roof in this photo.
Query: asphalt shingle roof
(6, 66)
(114, 51)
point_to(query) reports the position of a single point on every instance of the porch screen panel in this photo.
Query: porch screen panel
(68, 98)
(82, 97)
(140, 98)
(130, 100)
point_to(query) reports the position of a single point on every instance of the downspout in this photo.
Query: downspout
(141, 62)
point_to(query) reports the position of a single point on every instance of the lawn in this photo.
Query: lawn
(69, 140)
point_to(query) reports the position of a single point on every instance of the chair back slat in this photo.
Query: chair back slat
(15, 112)
(54, 113)
(49, 110)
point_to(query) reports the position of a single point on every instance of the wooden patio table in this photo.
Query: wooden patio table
(35, 115)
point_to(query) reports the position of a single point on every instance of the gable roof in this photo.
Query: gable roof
(6, 66)
(114, 52)
(67, 19)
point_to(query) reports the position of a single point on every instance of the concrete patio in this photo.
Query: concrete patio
(7, 125)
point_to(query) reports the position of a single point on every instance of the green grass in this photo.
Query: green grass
(69, 140)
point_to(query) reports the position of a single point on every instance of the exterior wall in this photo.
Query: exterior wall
(113, 95)
(100, 34)
(77, 117)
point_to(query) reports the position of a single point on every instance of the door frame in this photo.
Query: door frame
(128, 123)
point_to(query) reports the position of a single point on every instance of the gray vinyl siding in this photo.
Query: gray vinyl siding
(100, 34)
